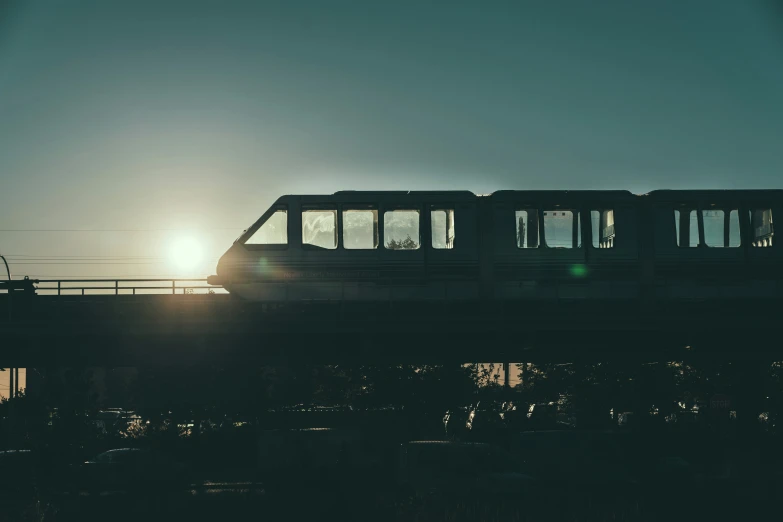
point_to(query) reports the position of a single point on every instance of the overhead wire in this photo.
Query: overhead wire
(84, 256)
(108, 277)
(28, 259)
(171, 229)
(101, 260)
(91, 263)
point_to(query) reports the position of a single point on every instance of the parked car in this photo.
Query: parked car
(127, 468)
(17, 471)
(289, 457)
(574, 456)
(598, 458)
(454, 467)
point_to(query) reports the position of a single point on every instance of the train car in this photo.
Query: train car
(563, 245)
(715, 244)
(510, 246)
(358, 246)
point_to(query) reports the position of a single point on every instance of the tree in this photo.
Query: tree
(405, 244)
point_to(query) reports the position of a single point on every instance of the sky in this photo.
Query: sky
(147, 123)
(5, 381)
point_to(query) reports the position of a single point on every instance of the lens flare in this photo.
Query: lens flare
(579, 270)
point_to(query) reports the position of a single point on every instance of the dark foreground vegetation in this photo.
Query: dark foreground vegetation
(568, 442)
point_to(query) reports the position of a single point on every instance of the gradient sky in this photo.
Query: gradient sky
(157, 115)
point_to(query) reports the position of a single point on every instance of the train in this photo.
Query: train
(511, 245)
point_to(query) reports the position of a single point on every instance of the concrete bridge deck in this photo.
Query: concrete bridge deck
(42, 330)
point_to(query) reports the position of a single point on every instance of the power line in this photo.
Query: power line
(108, 277)
(90, 263)
(116, 229)
(107, 258)
(31, 259)
(86, 256)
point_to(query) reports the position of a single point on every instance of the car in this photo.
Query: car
(131, 468)
(585, 458)
(18, 468)
(459, 467)
(575, 456)
(18, 477)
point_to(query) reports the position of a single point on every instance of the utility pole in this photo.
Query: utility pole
(10, 383)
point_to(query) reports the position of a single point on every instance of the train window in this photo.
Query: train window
(442, 222)
(721, 228)
(274, 231)
(527, 228)
(761, 228)
(686, 225)
(360, 229)
(561, 230)
(401, 229)
(603, 228)
(319, 228)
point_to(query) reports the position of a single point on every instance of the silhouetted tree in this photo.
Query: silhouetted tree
(405, 244)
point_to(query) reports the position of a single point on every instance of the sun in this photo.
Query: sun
(185, 254)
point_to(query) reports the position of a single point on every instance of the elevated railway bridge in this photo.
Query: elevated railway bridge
(133, 322)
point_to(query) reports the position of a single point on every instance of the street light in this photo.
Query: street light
(8, 270)
(11, 373)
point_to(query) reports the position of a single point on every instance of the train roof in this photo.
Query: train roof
(383, 196)
(563, 196)
(403, 192)
(715, 195)
(546, 196)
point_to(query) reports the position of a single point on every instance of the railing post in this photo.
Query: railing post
(116, 287)
(173, 287)
(82, 290)
(134, 290)
(58, 287)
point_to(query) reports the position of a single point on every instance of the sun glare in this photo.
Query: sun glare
(185, 254)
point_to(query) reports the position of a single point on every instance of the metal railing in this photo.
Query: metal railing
(123, 286)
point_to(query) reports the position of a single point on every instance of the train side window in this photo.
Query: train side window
(561, 230)
(401, 229)
(721, 228)
(442, 224)
(527, 228)
(761, 228)
(274, 231)
(319, 228)
(603, 228)
(360, 229)
(686, 225)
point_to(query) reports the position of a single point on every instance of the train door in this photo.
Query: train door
(319, 264)
(451, 248)
(562, 232)
(764, 248)
(612, 251)
(360, 251)
(699, 249)
(402, 225)
(539, 249)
